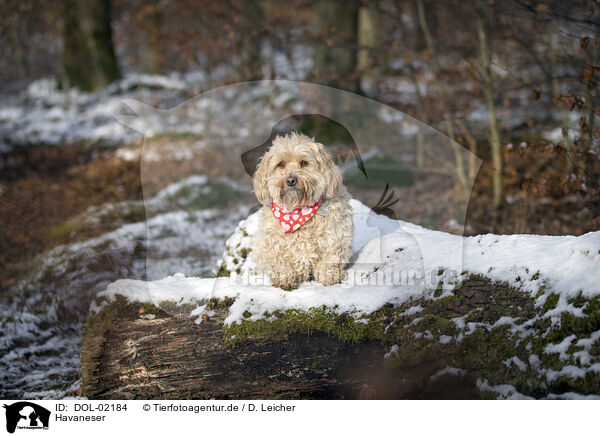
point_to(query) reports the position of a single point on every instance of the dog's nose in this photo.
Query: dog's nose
(291, 181)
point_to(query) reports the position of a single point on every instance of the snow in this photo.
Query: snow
(560, 348)
(572, 396)
(45, 114)
(504, 391)
(517, 362)
(408, 260)
(569, 371)
(449, 370)
(583, 356)
(43, 319)
(412, 310)
(534, 360)
(393, 352)
(556, 135)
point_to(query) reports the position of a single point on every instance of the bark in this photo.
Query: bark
(472, 146)
(370, 40)
(434, 62)
(336, 44)
(250, 58)
(89, 58)
(592, 98)
(557, 91)
(125, 355)
(151, 23)
(419, 100)
(18, 47)
(488, 88)
(420, 154)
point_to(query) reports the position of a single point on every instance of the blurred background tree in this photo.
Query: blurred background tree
(88, 55)
(336, 44)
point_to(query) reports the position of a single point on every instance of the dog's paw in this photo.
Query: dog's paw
(286, 285)
(329, 274)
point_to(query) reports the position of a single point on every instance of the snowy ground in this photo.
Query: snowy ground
(42, 320)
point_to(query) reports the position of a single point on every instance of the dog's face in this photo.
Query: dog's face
(296, 171)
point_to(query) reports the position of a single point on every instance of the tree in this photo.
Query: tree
(89, 57)
(488, 89)
(151, 23)
(435, 65)
(336, 45)
(370, 42)
(251, 17)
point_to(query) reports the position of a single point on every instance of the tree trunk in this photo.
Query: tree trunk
(592, 98)
(488, 89)
(133, 352)
(336, 44)
(16, 42)
(472, 146)
(423, 22)
(420, 153)
(370, 43)
(151, 23)
(250, 65)
(89, 58)
(553, 37)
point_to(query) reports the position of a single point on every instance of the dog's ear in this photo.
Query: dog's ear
(259, 180)
(333, 175)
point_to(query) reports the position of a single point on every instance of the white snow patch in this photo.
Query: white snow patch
(560, 348)
(449, 370)
(507, 392)
(572, 396)
(517, 362)
(393, 352)
(412, 310)
(445, 339)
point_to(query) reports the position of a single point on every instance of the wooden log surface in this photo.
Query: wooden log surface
(129, 353)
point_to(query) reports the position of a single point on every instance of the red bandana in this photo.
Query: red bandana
(293, 219)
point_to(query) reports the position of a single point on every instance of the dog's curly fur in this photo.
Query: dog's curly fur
(322, 246)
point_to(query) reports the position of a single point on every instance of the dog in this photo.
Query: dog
(306, 219)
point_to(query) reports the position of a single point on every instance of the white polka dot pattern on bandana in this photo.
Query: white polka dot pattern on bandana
(291, 220)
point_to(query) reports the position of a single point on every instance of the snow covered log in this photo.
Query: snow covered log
(424, 314)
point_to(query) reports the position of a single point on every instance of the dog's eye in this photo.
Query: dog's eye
(281, 164)
(303, 163)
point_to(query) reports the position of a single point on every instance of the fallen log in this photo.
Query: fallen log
(132, 351)
(474, 336)
(464, 346)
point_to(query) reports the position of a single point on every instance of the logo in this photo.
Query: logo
(26, 415)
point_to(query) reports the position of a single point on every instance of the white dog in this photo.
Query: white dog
(306, 220)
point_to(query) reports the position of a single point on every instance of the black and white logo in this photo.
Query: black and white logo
(26, 415)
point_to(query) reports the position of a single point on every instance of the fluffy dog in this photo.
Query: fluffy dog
(306, 219)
